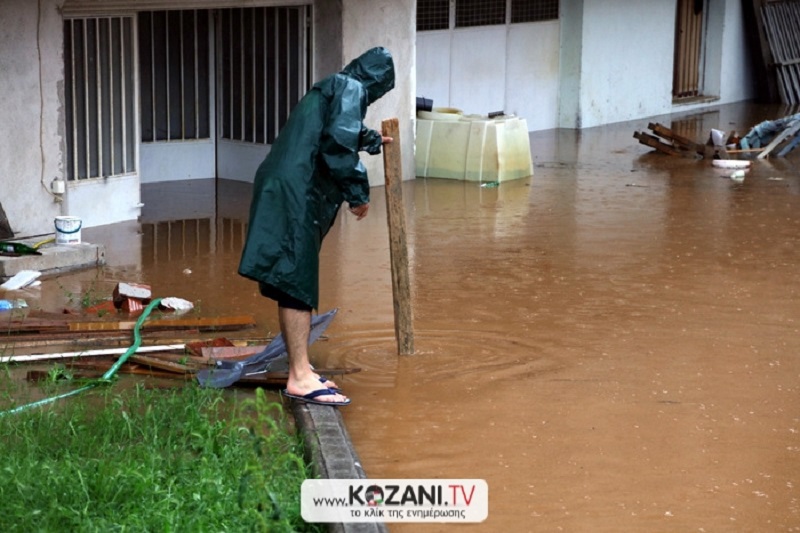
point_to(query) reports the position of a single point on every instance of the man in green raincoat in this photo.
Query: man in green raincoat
(312, 168)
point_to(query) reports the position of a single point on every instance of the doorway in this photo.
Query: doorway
(175, 95)
(216, 86)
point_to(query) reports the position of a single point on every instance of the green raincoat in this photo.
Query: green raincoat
(312, 168)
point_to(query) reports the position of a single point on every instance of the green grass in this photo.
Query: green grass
(182, 459)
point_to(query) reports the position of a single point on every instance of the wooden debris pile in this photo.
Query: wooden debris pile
(771, 137)
(665, 140)
(174, 345)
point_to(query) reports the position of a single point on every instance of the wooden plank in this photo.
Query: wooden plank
(782, 136)
(277, 379)
(200, 323)
(789, 146)
(667, 133)
(18, 323)
(197, 347)
(98, 339)
(161, 364)
(86, 353)
(231, 352)
(401, 285)
(654, 142)
(5, 228)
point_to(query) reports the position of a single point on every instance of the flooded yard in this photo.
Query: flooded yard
(612, 344)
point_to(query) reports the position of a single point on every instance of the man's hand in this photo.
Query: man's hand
(360, 211)
(386, 140)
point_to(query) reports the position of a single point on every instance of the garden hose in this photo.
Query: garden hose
(39, 244)
(105, 378)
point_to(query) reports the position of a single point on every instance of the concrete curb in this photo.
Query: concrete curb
(55, 259)
(330, 452)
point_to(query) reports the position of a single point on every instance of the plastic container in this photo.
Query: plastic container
(488, 150)
(441, 113)
(68, 230)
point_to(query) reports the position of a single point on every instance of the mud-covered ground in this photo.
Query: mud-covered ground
(612, 344)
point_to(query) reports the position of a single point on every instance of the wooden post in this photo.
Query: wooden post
(398, 253)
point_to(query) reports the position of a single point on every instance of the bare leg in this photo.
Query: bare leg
(295, 327)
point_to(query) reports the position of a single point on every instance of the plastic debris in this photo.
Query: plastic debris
(730, 163)
(738, 176)
(490, 184)
(21, 279)
(6, 305)
(176, 304)
(226, 373)
(717, 137)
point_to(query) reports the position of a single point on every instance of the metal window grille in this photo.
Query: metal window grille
(264, 60)
(480, 13)
(174, 73)
(686, 78)
(100, 97)
(433, 15)
(533, 10)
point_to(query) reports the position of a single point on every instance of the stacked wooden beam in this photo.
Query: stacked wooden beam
(771, 137)
(665, 140)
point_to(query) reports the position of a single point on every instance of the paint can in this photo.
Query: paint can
(68, 230)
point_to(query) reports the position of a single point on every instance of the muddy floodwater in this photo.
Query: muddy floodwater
(612, 344)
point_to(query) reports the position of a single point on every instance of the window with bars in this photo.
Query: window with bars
(99, 92)
(264, 70)
(480, 13)
(175, 75)
(435, 14)
(533, 10)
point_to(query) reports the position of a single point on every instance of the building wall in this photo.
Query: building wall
(389, 23)
(737, 67)
(31, 146)
(460, 69)
(626, 51)
(601, 62)
(626, 60)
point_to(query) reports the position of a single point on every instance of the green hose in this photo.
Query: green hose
(105, 378)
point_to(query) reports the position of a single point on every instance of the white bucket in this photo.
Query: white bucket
(68, 230)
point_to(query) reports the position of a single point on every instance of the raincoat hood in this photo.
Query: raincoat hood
(375, 70)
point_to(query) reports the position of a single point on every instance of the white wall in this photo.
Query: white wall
(389, 23)
(31, 148)
(477, 78)
(626, 61)
(627, 55)
(532, 73)
(601, 62)
(493, 68)
(738, 77)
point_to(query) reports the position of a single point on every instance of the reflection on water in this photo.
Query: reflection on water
(612, 344)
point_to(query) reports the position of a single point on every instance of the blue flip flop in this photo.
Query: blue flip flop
(311, 397)
(323, 380)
